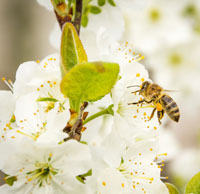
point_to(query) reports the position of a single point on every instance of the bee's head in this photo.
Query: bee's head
(143, 87)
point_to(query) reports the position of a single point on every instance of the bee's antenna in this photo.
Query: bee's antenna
(133, 86)
(171, 90)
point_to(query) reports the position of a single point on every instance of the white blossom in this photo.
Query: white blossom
(40, 111)
(46, 169)
(128, 170)
(7, 119)
(130, 120)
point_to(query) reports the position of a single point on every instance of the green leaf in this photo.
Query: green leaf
(89, 82)
(84, 20)
(82, 177)
(47, 99)
(101, 2)
(122, 161)
(112, 2)
(10, 180)
(94, 9)
(172, 189)
(13, 119)
(88, 173)
(72, 51)
(193, 186)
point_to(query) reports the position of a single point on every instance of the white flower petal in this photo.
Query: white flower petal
(144, 148)
(111, 182)
(46, 3)
(113, 147)
(7, 105)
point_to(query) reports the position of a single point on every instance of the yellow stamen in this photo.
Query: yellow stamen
(139, 59)
(27, 135)
(162, 154)
(137, 75)
(3, 79)
(145, 178)
(104, 183)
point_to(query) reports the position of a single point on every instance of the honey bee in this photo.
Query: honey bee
(153, 93)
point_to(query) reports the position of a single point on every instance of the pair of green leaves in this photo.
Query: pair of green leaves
(193, 186)
(102, 2)
(83, 177)
(82, 80)
(93, 9)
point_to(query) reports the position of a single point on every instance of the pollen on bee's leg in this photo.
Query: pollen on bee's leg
(159, 107)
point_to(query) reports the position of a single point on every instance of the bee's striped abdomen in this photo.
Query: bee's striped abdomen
(170, 107)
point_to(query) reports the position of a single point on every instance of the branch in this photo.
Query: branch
(62, 20)
(75, 130)
(78, 14)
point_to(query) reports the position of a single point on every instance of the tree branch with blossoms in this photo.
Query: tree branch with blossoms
(73, 124)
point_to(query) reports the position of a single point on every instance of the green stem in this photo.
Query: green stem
(98, 114)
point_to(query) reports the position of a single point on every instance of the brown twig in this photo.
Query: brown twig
(78, 14)
(62, 20)
(75, 130)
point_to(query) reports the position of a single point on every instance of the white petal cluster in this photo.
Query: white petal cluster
(121, 150)
(33, 116)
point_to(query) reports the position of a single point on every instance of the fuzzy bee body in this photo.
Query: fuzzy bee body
(170, 107)
(153, 93)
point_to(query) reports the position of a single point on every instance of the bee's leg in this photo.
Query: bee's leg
(139, 102)
(148, 102)
(160, 115)
(152, 114)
